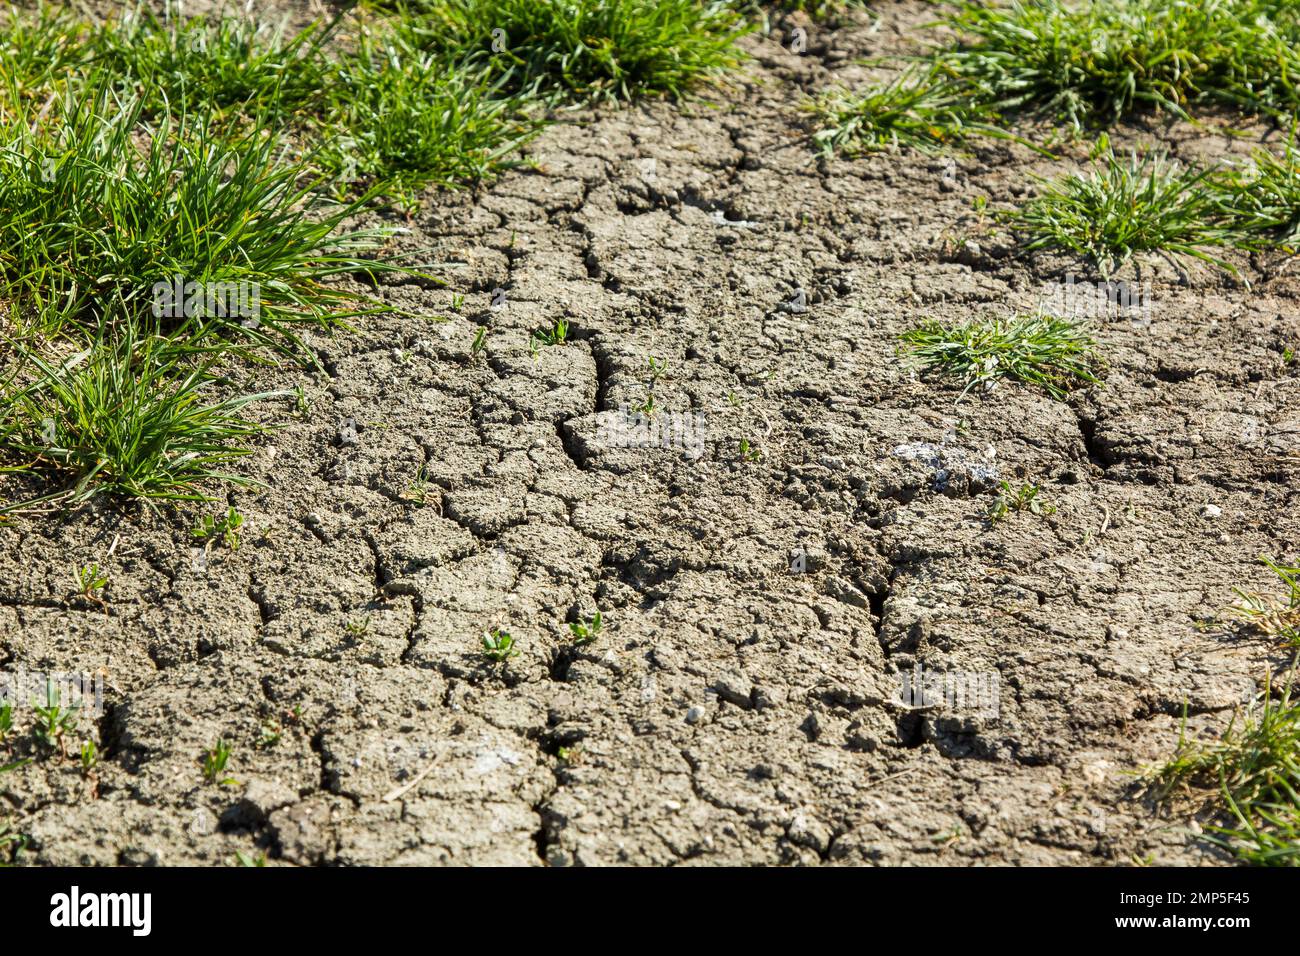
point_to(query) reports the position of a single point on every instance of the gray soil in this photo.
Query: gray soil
(736, 709)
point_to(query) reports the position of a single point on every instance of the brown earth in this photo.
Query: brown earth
(734, 710)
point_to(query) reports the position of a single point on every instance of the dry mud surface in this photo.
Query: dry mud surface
(734, 710)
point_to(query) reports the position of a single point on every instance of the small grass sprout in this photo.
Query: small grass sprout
(585, 632)
(499, 646)
(214, 764)
(53, 720)
(1024, 498)
(226, 527)
(557, 334)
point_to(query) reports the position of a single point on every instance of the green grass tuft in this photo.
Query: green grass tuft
(1262, 202)
(1097, 61)
(1052, 353)
(409, 119)
(1123, 207)
(924, 112)
(213, 65)
(1255, 768)
(130, 415)
(586, 49)
(90, 216)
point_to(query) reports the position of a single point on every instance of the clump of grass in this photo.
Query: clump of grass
(129, 416)
(1125, 207)
(217, 64)
(38, 51)
(410, 119)
(587, 49)
(1255, 769)
(1096, 62)
(1052, 353)
(1275, 616)
(923, 111)
(90, 218)
(1262, 202)
(817, 9)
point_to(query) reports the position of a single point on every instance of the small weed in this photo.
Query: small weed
(1052, 353)
(271, 732)
(417, 492)
(89, 757)
(301, 403)
(555, 335)
(53, 720)
(585, 632)
(226, 527)
(499, 646)
(480, 342)
(1023, 499)
(358, 627)
(647, 407)
(214, 764)
(12, 842)
(90, 583)
(747, 452)
(242, 859)
(6, 722)
(657, 368)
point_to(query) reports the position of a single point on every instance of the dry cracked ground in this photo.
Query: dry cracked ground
(739, 707)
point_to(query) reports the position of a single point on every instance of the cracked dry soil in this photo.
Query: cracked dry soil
(733, 711)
